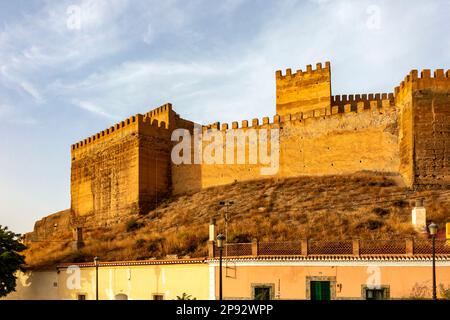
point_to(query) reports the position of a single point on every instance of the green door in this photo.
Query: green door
(320, 290)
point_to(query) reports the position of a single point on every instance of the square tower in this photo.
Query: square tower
(303, 91)
(423, 101)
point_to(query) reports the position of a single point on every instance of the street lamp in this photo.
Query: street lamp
(96, 277)
(226, 204)
(220, 244)
(433, 231)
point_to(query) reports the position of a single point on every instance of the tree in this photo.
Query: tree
(445, 291)
(185, 296)
(11, 260)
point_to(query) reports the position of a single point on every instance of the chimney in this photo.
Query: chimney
(212, 230)
(419, 216)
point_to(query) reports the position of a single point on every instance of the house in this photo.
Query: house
(369, 269)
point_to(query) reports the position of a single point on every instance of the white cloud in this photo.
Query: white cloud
(92, 108)
(24, 85)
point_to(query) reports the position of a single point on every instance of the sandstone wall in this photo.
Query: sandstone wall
(105, 174)
(319, 142)
(425, 140)
(303, 90)
(403, 100)
(49, 226)
(121, 170)
(155, 182)
(364, 139)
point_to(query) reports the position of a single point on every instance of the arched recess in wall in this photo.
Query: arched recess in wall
(121, 296)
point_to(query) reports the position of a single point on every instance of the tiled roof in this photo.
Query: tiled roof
(339, 251)
(134, 263)
(278, 258)
(323, 257)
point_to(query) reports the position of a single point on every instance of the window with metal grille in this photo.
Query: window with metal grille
(263, 292)
(375, 294)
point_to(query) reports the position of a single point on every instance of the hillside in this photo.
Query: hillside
(365, 205)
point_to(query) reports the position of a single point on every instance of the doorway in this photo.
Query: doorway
(320, 290)
(320, 287)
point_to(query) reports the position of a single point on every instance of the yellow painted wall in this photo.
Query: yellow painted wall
(42, 285)
(405, 281)
(290, 281)
(139, 282)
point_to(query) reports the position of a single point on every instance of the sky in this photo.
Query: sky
(69, 69)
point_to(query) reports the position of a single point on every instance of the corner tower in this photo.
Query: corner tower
(424, 105)
(303, 91)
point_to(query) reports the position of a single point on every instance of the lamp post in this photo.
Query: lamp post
(226, 203)
(220, 244)
(96, 277)
(433, 231)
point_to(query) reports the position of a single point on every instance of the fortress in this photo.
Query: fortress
(127, 169)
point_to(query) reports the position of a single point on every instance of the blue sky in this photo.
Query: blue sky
(62, 81)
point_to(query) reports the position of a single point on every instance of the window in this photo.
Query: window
(81, 297)
(262, 291)
(375, 293)
(158, 297)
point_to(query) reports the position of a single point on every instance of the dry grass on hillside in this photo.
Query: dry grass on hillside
(368, 206)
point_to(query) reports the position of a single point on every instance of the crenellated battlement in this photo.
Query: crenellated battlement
(255, 123)
(367, 100)
(424, 79)
(126, 126)
(165, 108)
(341, 104)
(303, 90)
(300, 73)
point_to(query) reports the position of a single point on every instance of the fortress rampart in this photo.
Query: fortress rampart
(127, 168)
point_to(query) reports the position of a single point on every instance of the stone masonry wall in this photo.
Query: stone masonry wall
(321, 142)
(121, 170)
(425, 138)
(303, 90)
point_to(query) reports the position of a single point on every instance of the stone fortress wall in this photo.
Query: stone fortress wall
(127, 168)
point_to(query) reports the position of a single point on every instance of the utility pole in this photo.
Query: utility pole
(226, 203)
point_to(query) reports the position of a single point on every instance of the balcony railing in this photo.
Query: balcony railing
(346, 247)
